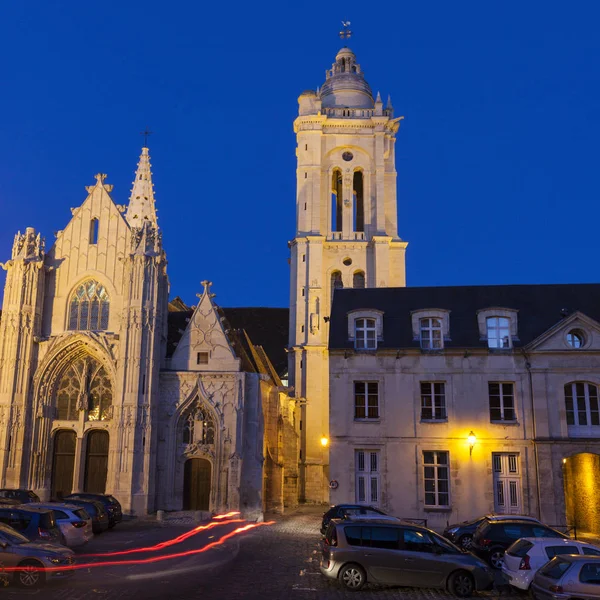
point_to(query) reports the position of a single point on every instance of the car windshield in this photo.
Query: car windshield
(12, 537)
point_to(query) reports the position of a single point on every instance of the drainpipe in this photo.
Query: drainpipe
(534, 428)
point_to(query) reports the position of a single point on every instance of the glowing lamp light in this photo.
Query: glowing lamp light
(324, 441)
(471, 439)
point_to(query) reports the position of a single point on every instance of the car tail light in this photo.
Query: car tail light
(78, 524)
(326, 563)
(556, 588)
(525, 566)
(45, 535)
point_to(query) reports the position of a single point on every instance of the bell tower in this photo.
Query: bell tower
(346, 236)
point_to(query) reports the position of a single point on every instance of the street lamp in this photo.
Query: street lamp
(472, 439)
(324, 441)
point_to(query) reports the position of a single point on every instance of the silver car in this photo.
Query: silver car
(568, 576)
(382, 552)
(17, 551)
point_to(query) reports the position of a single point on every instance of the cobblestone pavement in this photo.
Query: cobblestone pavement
(278, 562)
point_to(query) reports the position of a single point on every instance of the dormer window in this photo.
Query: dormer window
(365, 334)
(498, 333)
(431, 334)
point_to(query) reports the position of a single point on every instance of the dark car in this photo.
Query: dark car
(493, 537)
(381, 552)
(36, 524)
(110, 504)
(343, 511)
(96, 511)
(462, 533)
(23, 496)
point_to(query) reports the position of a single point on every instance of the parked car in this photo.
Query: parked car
(381, 552)
(17, 551)
(494, 536)
(341, 511)
(462, 533)
(110, 503)
(523, 559)
(96, 511)
(568, 576)
(73, 521)
(36, 524)
(23, 496)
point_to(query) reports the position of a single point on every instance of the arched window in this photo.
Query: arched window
(88, 309)
(84, 385)
(358, 281)
(336, 200)
(581, 402)
(199, 427)
(359, 201)
(336, 282)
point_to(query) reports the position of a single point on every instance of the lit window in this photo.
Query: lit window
(367, 476)
(366, 400)
(498, 332)
(436, 478)
(199, 427)
(431, 334)
(581, 400)
(365, 334)
(433, 401)
(502, 402)
(88, 309)
(575, 339)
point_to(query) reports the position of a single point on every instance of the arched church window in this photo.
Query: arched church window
(336, 200)
(89, 306)
(100, 396)
(336, 282)
(84, 385)
(359, 202)
(199, 427)
(358, 281)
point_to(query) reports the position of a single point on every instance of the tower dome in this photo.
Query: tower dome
(345, 84)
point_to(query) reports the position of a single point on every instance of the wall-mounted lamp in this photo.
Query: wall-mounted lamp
(564, 461)
(471, 439)
(324, 441)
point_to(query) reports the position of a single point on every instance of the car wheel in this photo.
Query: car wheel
(353, 577)
(461, 584)
(497, 558)
(30, 574)
(466, 541)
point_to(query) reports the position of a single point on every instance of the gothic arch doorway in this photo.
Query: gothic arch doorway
(63, 463)
(96, 462)
(581, 473)
(196, 484)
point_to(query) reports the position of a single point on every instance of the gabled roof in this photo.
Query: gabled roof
(539, 307)
(267, 328)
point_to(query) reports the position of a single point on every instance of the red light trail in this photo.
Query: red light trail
(143, 561)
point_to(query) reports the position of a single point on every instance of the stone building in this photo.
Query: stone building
(452, 402)
(346, 236)
(99, 393)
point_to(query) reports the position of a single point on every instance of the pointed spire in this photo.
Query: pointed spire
(378, 99)
(141, 207)
(389, 102)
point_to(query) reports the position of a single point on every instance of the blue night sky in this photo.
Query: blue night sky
(497, 157)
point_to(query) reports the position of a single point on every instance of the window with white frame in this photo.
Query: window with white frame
(498, 332)
(367, 476)
(366, 400)
(436, 478)
(365, 334)
(433, 401)
(431, 334)
(581, 400)
(502, 401)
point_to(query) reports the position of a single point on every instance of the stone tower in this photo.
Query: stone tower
(346, 236)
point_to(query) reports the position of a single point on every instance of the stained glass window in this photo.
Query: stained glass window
(89, 306)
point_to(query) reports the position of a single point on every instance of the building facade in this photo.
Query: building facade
(98, 394)
(449, 403)
(346, 236)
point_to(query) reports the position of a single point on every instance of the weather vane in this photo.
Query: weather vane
(345, 33)
(146, 133)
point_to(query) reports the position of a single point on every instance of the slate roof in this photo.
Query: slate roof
(540, 307)
(265, 327)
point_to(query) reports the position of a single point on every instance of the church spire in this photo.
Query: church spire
(141, 207)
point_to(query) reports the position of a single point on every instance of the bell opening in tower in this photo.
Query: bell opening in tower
(359, 203)
(336, 200)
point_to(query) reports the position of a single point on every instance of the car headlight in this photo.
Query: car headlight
(453, 530)
(55, 560)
